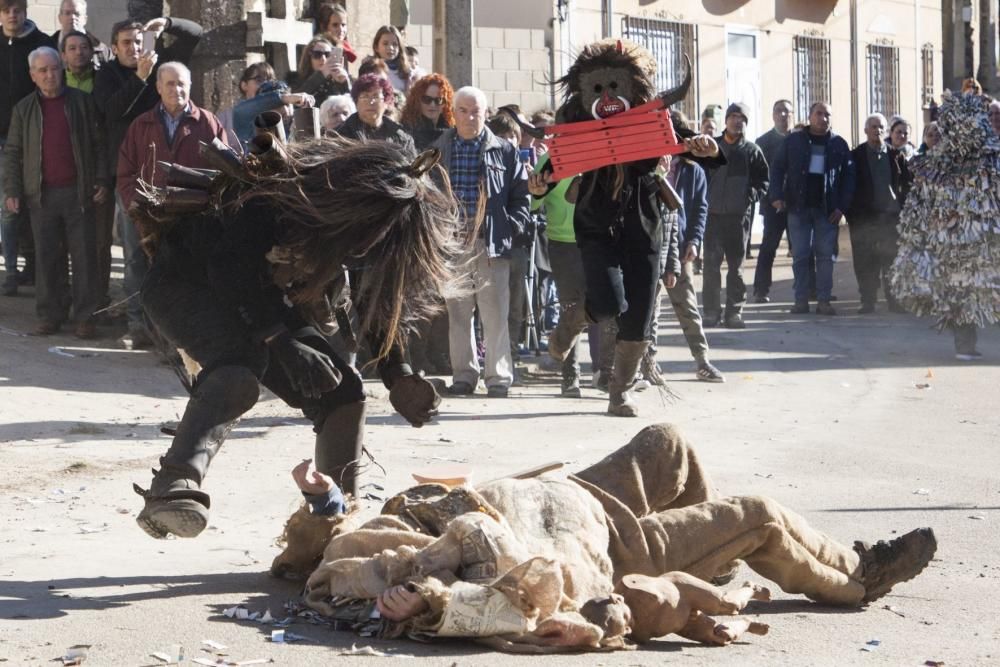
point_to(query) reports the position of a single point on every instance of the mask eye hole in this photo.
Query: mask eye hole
(598, 87)
(613, 85)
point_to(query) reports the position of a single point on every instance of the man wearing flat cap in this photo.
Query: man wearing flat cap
(733, 189)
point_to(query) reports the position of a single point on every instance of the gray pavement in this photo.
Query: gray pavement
(866, 425)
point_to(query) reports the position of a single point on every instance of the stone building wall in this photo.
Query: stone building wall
(512, 65)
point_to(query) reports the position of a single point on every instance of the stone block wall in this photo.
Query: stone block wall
(513, 65)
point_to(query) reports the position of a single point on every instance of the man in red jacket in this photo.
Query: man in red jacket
(168, 132)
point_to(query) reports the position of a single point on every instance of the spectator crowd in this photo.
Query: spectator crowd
(84, 124)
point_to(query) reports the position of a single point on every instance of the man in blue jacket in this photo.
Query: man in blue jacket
(481, 165)
(813, 179)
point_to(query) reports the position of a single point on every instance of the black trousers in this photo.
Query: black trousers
(187, 311)
(725, 238)
(621, 273)
(874, 244)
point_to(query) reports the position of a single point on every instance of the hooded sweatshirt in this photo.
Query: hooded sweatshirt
(15, 77)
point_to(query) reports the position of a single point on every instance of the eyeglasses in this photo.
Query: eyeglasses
(434, 101)
(319, 53)
(370, 99)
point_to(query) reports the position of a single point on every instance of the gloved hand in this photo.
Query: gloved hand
(310, 372)
(415, 399)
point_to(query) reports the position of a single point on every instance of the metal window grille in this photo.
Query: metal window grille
(812, 73)
(927, 62)
(883, 80)
(669, 42)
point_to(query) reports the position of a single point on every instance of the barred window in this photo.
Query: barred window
(812, 74)
(669, 42)
(883, 80)
(927, 62)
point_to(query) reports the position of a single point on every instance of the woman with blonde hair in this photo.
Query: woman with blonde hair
(428, 110)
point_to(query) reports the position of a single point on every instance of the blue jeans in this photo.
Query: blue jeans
(810, 232)
(9, 227)
(136, 266)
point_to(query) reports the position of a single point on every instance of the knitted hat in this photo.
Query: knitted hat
(740, 108)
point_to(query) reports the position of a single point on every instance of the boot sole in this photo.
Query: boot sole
(180, 517)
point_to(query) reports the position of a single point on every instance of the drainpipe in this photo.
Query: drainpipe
(918, 116)
(855, 113)
(607, 11)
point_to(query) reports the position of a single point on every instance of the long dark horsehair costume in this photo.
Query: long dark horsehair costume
(244, 286)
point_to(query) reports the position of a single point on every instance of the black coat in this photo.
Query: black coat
(900, 178)
(15, 78)
(424, 133)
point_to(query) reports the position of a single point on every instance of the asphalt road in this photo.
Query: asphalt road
(866, 425)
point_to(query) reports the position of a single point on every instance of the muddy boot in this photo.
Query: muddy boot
(573, 321)
(175, 503)
(885, 564)
(628, 354)
(339, 445)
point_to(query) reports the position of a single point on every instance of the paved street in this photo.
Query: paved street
(865, 425)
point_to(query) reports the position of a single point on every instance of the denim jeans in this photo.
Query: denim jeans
(9, 227)
(136, 266)
(811, 233)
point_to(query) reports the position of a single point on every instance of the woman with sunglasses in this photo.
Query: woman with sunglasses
(428, 111)
(320, 73)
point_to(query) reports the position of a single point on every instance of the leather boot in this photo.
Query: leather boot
(628, 354)
(339, 445)
(175, 503)
(573, 321)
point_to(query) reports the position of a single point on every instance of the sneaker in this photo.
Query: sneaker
(866, 308)
(735, 321)
(711, 321)
(761, 298)
(570, 388)
(706, 372)
(824, 308)
(46, 329)
(800, 308)
(85, 331)
(975, 355)
(885, 564)
(497, 391)
(461, 389)
(136, 339)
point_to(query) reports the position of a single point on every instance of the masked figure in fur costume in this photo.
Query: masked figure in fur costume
(240, 284)
(626, 547)
(618, 215)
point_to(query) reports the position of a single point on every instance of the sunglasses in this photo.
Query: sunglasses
(319, 53)
(435, 101)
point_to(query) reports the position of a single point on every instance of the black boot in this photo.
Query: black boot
(175, 503)
(339, 445)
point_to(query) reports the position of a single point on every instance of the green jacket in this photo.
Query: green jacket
(558, 211)
(23, 151)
